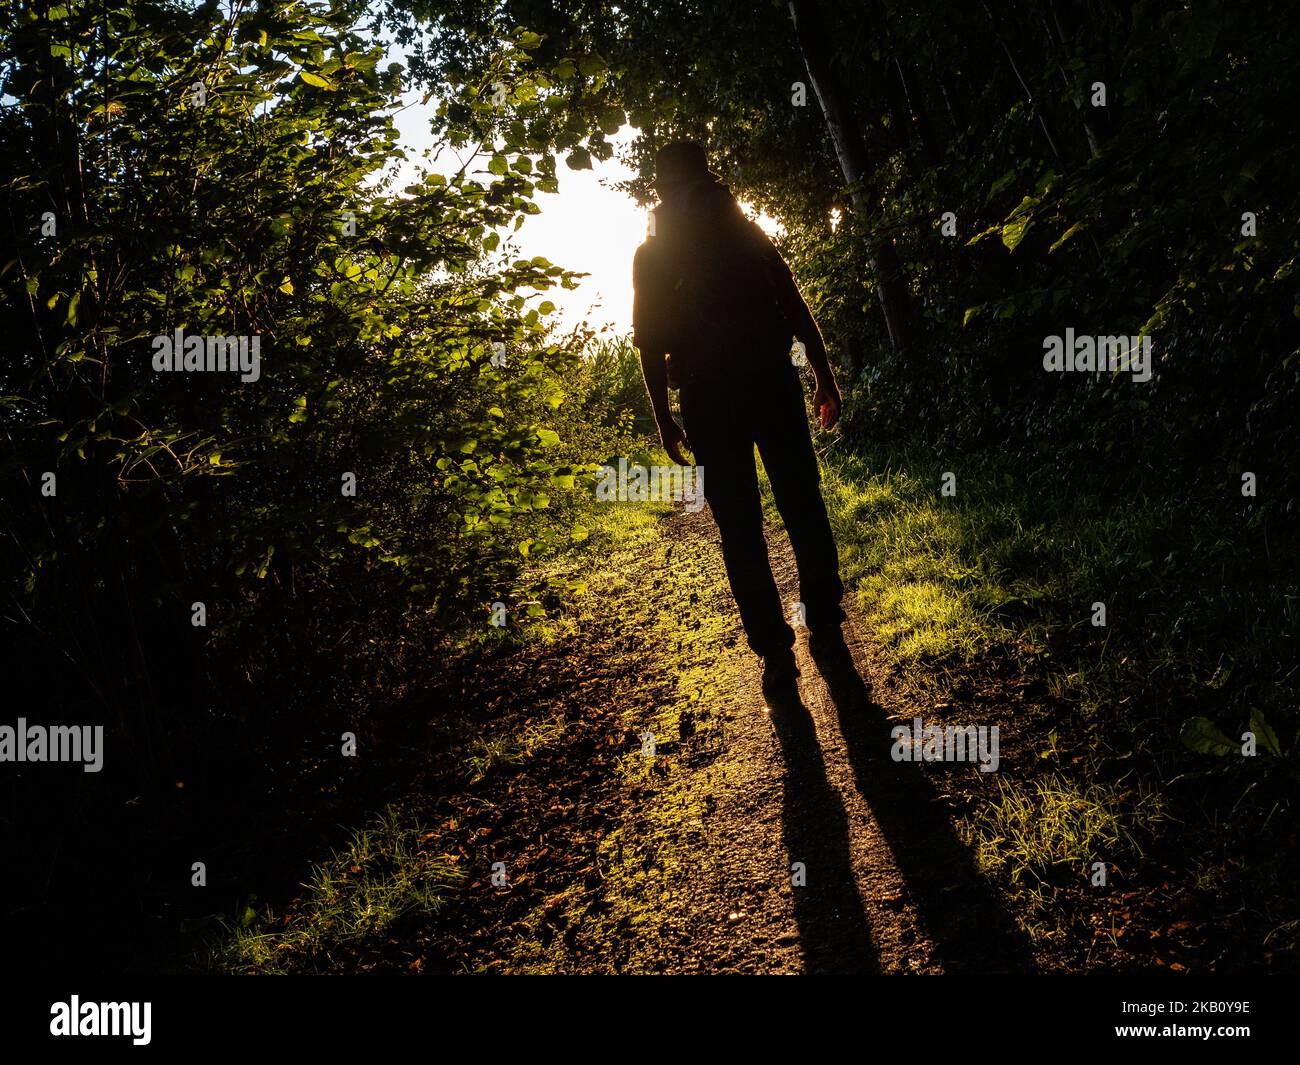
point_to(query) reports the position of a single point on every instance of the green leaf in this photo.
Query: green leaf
(1202, 735)
(1014, 232)
(266, 563)
(578, 159)
(1264, 733)
(1066, 236)
(317, 80)
(1001, 183)
(611, 120)
(982, 234)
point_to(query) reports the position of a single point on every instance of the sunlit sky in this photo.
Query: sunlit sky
(587, 226)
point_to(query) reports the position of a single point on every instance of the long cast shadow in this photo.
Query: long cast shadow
(833, 930)
(971, 930)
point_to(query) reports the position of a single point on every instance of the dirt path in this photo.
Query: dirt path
(613, 793)
(746, 796)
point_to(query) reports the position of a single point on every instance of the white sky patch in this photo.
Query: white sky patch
(587, 226)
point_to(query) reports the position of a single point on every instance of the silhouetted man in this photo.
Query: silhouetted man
(715, 308)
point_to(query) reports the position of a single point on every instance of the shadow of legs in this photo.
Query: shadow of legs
(833, 929)
(958, 908)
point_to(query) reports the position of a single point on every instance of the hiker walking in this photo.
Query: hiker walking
(715, 308)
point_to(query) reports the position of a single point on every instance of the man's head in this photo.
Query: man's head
(678, 166)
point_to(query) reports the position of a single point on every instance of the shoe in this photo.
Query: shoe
(829, 650)
(779, 669)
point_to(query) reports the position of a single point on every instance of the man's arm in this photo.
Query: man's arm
(649, 334)
(826, 398)
(655, 371)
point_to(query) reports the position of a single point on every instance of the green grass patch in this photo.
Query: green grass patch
(383, 874)
(1036, 829)
(1199, 603)
(513, 749)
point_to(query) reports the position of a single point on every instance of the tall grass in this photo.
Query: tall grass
(615, 388)
(385, 872)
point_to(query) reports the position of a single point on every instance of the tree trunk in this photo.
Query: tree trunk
(1029, 93)
(882, 259)
(1060, 42)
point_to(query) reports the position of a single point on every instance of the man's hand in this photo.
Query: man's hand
(826, 401)
(674, 440)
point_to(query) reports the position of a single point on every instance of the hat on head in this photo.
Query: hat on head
(682, 162)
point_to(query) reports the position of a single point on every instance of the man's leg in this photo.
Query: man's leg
(791, 463)
(723, 444)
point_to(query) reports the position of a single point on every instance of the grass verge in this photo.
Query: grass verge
(1150, 633)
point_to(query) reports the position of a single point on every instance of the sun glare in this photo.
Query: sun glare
(588, 226)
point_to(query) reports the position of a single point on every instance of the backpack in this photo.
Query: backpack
(718, 268)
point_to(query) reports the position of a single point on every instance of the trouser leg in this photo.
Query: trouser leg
(722, 442)
(785, 444)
